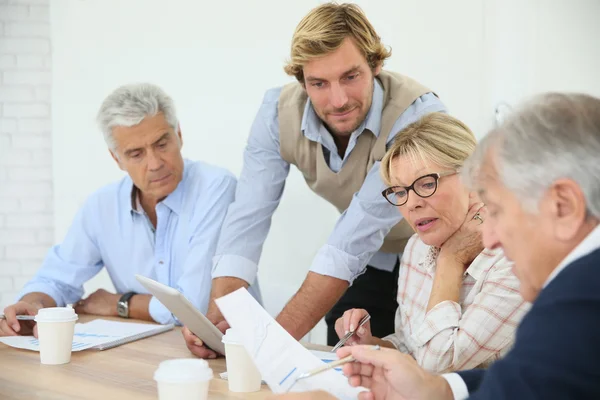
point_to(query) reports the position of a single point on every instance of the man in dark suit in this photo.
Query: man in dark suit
(539, 175)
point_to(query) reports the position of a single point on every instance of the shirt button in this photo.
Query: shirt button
(161, 262)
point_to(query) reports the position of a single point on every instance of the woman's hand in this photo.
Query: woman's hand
(467, 242)
(349, 321)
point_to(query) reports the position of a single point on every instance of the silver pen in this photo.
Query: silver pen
(349, 334)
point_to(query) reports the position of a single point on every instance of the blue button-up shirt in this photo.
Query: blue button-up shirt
(359, 232)
(109, 231)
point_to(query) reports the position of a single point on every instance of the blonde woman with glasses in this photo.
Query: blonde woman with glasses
(458, 302)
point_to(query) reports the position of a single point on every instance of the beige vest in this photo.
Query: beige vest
(399, 92)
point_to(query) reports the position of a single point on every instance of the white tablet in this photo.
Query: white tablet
(185, 312)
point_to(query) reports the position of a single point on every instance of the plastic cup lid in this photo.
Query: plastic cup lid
(231, 337)
(183, 370)
(56, 314)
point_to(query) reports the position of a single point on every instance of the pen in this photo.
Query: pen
(348, 335)
(21, 317)
(326, 367)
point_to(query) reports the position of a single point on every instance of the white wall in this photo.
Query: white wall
(26, 224)
(217, 58)
(540, 45)
(566, 46)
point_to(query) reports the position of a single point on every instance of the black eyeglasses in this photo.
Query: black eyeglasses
(424, 187)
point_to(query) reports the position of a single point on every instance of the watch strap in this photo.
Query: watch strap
(123, 305)
(126, 297)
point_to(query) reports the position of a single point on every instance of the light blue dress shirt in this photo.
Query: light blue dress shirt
(360, 230)
(108, 231)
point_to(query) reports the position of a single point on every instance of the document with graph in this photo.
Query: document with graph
(99, 334)
(278, 356)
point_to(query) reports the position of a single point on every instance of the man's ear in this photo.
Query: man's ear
(377, 69)
(116, 158)
(179, 136)
(568, 207)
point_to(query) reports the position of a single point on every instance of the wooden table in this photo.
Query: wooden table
(124, 372)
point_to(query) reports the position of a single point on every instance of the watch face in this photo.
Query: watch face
(123, 309)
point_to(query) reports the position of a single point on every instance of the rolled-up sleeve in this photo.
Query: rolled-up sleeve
(72, 263)
(258, 194)
(359, 232)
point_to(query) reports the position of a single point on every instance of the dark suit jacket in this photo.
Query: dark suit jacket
(556, 354)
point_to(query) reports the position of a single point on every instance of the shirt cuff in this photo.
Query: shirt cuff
(397, 343)
(234, 266)
(160, 313)
(457, 385)
(444, 315)
(334, 262)
(42, 288)
(393, 340)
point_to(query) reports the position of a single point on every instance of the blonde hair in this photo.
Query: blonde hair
(323, 31)
(437, 137)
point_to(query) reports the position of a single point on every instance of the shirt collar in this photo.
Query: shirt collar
(373, 120)
(136, 205)
(587, 246)
(312, 124)
(174, 201)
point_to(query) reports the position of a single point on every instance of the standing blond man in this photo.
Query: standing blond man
(334, 125)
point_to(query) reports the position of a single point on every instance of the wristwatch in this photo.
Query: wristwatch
(123, 305)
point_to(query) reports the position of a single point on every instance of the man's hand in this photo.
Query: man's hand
(13, 327)
(100, 302)
(221, 287)
(391, 375)
(196, 346)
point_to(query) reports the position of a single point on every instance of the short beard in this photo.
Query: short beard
(360, 119)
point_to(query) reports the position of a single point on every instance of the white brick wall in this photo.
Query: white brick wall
(26, 226)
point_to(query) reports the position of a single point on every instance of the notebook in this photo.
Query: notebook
(116, 333)
(99, 334)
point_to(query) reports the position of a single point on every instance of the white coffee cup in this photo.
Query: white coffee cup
(55, 326)
(184, 378)
(242, 374)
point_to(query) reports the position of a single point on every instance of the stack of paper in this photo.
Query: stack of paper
(277, 355)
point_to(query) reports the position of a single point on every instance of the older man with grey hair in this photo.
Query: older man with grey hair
(539, 175)
(162, 220)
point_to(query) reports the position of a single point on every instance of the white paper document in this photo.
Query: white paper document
(278, 356)
(99, 334)
(324, 356)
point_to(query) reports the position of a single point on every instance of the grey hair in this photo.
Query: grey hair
(128, 105)
(553, 136)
